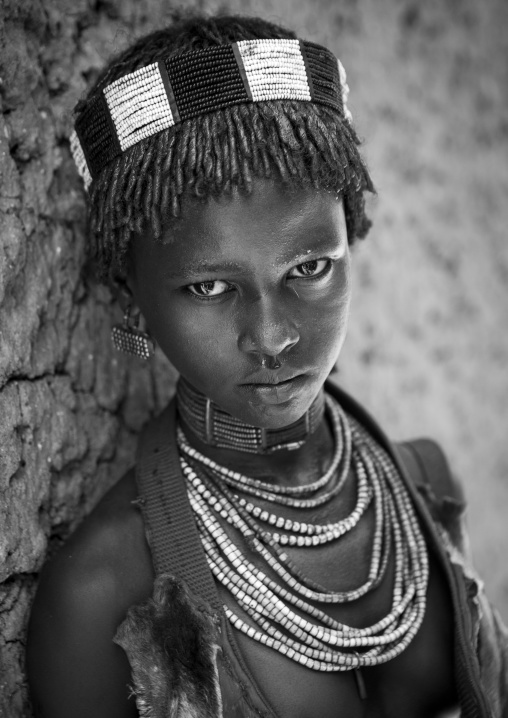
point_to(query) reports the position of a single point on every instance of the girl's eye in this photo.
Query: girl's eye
(313, 268)
(211, 288)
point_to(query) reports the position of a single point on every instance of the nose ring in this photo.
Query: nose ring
(272, 362)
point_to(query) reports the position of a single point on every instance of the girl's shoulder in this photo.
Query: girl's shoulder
(84, 594)
(108, 553)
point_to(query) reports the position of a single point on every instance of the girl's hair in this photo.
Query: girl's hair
(299, 143)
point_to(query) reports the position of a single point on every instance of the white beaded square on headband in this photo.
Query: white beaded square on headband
(158, 96)
(139, 105)
(275, 69)
(79, 159)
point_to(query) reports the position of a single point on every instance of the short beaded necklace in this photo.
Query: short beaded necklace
(280, 613)
(215, 427)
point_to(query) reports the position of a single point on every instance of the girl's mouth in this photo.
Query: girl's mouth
(276, 392)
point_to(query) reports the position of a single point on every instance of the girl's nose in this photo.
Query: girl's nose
(267, 330)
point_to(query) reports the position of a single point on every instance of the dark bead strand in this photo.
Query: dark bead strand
(204, 81)
(97, 135)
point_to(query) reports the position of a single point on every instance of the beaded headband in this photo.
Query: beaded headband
(164, 93)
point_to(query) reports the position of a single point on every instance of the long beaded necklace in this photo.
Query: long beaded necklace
(280, 613)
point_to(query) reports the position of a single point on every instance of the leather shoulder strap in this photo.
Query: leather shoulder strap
(423, 459)
(428, 467)
(171, 529)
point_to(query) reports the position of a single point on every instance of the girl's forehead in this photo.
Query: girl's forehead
(273, 223)
(271, 208)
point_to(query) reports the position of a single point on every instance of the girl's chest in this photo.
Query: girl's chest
(417, 683)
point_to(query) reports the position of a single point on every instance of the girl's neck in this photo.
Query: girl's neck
(295, 467)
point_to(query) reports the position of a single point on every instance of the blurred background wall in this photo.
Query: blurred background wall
(428, 345)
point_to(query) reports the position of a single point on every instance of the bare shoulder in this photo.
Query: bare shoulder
(107, 555)
(85, 591)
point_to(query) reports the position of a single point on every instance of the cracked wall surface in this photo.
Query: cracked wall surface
(428, 343)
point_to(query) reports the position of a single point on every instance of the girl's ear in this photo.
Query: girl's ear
(121, 286)
(129, 337)
(124, 296)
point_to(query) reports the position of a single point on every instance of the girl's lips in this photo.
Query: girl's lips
(275, 393)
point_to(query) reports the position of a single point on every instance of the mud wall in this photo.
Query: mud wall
(428, 344)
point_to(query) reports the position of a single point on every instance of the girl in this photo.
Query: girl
(272, 553)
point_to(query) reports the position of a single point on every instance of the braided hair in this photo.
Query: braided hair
(298, 143)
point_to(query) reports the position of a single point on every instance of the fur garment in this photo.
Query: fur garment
(171, 641)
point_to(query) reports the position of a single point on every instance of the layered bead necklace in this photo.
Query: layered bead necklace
(281, 615)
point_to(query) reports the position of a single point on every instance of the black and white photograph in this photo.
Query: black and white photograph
(254, 359)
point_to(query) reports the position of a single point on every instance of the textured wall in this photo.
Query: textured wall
(69, 406)
(428, 343)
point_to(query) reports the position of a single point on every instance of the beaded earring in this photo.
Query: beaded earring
(129, 339)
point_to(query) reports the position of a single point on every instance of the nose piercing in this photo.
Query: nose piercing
(271, 362)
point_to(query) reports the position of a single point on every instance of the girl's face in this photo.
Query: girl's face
(240, 280)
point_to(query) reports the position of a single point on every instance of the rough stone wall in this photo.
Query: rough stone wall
(428, 343)
(69, 405)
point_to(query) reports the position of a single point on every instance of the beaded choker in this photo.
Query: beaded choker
(217, 428)
(162, 94)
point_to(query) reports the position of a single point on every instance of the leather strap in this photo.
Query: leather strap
(171, 529)
(428, 467)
